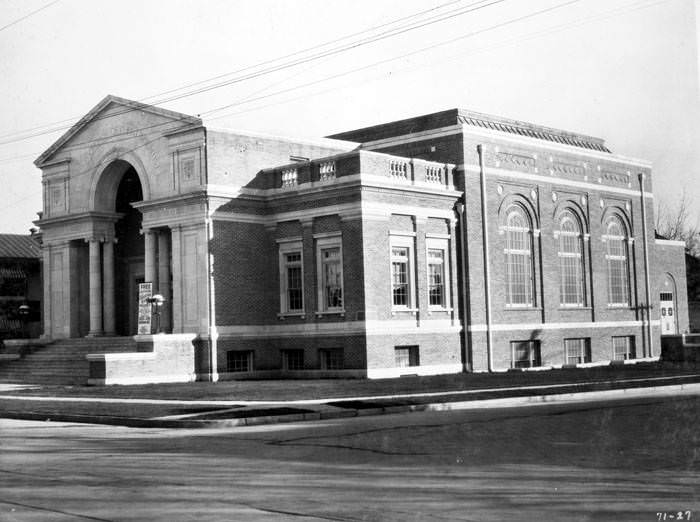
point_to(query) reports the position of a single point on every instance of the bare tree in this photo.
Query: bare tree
(679, 222)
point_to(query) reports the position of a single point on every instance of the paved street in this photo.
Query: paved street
(594, 461)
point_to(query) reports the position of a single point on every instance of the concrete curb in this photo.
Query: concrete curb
(502, 402)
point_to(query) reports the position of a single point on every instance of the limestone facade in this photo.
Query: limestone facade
(363, 254)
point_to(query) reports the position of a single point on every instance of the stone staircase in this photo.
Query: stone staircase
(60, 362)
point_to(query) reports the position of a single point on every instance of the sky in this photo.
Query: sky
(623, 70)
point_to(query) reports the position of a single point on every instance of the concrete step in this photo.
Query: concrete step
(63, 361)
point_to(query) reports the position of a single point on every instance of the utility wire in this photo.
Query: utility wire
(613, 12)
(351, 45)
(417, 51)
(28, 15)
(109, 139)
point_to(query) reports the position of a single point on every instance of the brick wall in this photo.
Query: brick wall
(670, 276)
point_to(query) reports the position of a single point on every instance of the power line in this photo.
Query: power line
(28, 15)
(417, 51)
(328, 78)
(386, 34)
(206, 80)
(613, 12)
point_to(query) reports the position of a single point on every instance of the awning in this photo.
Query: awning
(10, 325)
(12, 273)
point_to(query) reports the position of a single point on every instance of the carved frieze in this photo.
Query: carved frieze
(57, 196)
(567, 169)
(615, 177)
(188, 167)
(517, 161)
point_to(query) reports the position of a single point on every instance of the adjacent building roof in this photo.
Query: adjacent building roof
(19, 246)
(473, 119)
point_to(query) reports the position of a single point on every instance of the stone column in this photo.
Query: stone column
(176, 256)
(95, 275)
(151, 274)
(164, 261)
(47, 312)
(108, 286)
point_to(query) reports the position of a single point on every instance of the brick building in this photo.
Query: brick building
(361, 254)
(20, 285)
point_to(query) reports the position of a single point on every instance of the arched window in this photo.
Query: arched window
(571, 274)
(617, 260)
(518, 251)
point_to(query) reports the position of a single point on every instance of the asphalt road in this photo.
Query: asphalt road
(624, 460)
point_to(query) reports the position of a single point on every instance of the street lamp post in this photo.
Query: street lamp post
(156, 306)
(24, 317)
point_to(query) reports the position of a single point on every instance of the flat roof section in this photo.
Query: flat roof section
(474, 119)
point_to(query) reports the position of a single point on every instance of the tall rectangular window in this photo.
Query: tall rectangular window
(436, 277)
(519, 253)
(525, 354)
(623, 348)
(617, 258)
(329, 270)
(571, 273)
(577, 350)
(291, 278)
(399, 275)
(402, 267)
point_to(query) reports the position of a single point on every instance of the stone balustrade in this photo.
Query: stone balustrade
(392, 169)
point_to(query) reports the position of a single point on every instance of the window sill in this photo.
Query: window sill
(412, 311)
(523, 309)
(320, 313)
(531, 369)
(282, 315)
(574, 308)
(438, 310)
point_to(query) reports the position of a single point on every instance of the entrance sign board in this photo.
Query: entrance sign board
(145, 292)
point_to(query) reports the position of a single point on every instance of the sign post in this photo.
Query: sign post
(145, 291)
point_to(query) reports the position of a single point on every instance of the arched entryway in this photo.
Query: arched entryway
(128, 253)
(121, 253)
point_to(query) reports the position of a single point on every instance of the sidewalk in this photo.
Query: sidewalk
(142, 410)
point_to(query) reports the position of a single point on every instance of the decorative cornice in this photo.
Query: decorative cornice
(83, 216)
(538, 178)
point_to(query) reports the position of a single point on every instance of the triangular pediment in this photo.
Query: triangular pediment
(113, 106)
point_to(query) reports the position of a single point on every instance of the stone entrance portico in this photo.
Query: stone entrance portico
(123, 205)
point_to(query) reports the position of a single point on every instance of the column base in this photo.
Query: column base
(95, 334)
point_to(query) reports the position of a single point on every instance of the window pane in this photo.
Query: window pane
(294, 288)
(526, 354)
(332, 359)
(332, 278)
(571, 284)
(399, 271)
(577, 351)
(616, 256)
(623, 348)
(518, 252)
(436, 277)
(406, 356)
(293, 359)
(239, 361)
